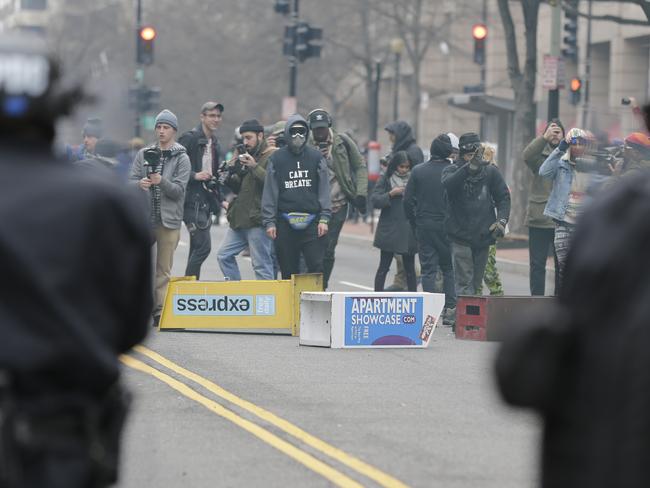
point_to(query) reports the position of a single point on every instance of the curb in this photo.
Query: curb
(505, 265)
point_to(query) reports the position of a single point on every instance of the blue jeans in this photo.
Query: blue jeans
(261, 249)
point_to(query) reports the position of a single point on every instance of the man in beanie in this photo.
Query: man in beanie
(245, 177)
(163, 170)
(425, 208)
(91, 133)
(201, 196)
(636, 155)
(479, 209)
(541, 229)
(348, 176)
(296, 201)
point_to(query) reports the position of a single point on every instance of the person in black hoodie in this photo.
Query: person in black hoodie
(402, 138)
(296, 205)
(425, 208)
(479, 209)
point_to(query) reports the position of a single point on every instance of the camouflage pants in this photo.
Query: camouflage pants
(491, 277)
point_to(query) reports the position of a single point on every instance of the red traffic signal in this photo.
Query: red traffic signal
(147, 33)
(479, 32)
(576, 84)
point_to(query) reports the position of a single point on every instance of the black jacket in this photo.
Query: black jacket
(393, 233)
(405, 141)
(424, 200)
(475, 202)
(75, 254)
(584, 366)
(195, 143)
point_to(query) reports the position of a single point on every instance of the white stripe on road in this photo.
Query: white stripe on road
(354, 285)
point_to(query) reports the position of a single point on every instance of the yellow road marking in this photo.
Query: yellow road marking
(352, 462)
(336, 477)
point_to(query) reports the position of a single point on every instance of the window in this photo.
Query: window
(33, 4)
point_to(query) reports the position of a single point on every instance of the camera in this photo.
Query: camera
(600, 161)
(152, 157)
(280, 141)
(323, 145)
(241, 149)
(625, 101)
(212, 184)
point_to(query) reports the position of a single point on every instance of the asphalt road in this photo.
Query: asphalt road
(264, 411)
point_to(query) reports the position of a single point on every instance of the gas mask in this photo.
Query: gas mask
(297, 138)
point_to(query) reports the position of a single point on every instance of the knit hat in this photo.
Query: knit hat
(92, 128)
(251, 125)
(469, 142)
(441, 147)
(167, 117)
(454, 140)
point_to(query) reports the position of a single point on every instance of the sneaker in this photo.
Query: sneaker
(156, 321)
(449, 317)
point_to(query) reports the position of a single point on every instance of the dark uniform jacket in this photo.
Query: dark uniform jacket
(424, 200)
(75, 258)
(476, 201)
(584, 365)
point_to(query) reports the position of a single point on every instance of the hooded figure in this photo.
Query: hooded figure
(296, 205)
(404, 140)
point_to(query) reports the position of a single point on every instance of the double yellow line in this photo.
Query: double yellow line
(306, 459)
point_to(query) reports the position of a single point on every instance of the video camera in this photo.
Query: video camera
(600, 161)
(152, 158)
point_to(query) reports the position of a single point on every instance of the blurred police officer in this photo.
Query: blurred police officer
(76, 253)
(348, 177)
(201, 197)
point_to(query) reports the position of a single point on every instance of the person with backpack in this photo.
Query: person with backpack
(348, 178)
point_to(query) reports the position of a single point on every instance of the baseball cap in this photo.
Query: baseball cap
(319, 118)
(207, 106)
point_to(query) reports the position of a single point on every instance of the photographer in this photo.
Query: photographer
(163, 171)
(572, 175)
(479, 209)
(202, 196)
(245, 175)
(636, 155)
(348, 175)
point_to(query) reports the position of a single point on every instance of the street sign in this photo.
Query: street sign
(553, 73)
(148, 122)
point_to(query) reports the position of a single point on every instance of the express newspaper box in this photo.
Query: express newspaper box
(369, 319)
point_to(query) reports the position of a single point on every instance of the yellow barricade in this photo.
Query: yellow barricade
(237, 306)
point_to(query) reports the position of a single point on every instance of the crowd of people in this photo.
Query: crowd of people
(287, 190)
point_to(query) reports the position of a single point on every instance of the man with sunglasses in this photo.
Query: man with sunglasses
(296, 205)
(478, 211)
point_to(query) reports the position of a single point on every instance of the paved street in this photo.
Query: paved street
(264, 411)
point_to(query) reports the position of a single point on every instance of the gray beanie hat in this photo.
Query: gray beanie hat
(167, 117)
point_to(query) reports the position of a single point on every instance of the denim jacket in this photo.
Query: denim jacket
(559, 170)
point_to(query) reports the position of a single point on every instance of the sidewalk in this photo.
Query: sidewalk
(510, 260)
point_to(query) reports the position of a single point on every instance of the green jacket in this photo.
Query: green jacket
(349, 166)
(245, 211)
(534, 156)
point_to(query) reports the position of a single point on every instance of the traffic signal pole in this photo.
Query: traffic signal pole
(139, 72)
(293, 60)
(556, 35)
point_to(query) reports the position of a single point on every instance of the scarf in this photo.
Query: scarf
(398, 181)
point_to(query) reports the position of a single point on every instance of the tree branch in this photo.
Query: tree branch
(612, 18)
(514, 71)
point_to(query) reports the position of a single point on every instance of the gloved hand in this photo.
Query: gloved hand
(361, 204)
(498, 229)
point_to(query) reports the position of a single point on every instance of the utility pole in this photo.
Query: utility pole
(585, 107)
(556, 34)
(293, 60)
(139, 71)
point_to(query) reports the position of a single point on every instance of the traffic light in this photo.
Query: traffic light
(146, 36)
(144, 99)
(575, 86)
(308, 41)
(479, 33)
(282, 7)
(570, 50)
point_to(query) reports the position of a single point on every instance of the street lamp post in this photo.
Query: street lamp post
(397, 47)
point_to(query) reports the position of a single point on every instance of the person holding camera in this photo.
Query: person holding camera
(541, 229)
(571, 181)
(479, 209)
(202, 198)
(246, 173)
(163, 171)
(296, 201)
(348, 177)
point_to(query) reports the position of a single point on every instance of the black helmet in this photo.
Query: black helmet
(31, 95)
